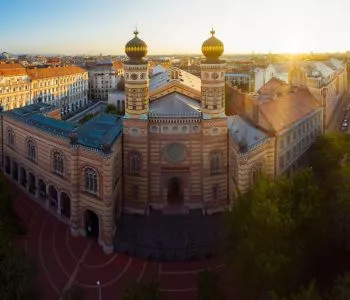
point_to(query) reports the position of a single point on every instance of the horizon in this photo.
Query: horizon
(89, 27)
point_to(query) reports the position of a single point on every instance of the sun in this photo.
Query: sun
(293, 46)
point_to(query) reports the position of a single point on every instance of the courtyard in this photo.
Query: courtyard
(63, 261)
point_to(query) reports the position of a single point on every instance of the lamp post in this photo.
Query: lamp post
(99, 290)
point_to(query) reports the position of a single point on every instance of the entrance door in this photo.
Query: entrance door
(175, 191)
(92, 224)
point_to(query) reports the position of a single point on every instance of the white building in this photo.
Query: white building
(103, 77)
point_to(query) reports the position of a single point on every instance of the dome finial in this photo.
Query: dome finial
(212, 31)
(136, 32)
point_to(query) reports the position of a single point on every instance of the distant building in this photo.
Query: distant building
(116, 96)
(103, 77)
(14, 86)
(326, 80)
(271, 131)
(65, 87)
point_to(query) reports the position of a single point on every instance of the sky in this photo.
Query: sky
(170, 27)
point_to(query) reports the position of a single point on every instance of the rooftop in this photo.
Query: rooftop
(240, 129)
(175, 105)
(169, 75)
(42, 73)
(286, 106)
(12, 70)
(99, 131)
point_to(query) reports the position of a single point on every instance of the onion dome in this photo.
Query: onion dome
(121, 84)
(212, 48)
(136, 48)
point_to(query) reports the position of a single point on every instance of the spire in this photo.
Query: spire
(212, 31)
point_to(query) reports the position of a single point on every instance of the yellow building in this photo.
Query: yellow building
(66, 87)
(14, 86)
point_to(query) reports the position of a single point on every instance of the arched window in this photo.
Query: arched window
(135, 163)
(31, 150)
(90, 180)
(215, 163)
(10, 138)
(256, 172)
(58, 163)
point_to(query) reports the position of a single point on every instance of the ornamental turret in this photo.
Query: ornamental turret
(213, 78)
(136, 79)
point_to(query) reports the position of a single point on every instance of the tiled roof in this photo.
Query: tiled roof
(99, 131)
(102, 129)
(288, 107)
(184, 78)
(12, 70)
(272, 86)
(241, 129)
(42, 73)
(118, 64)
(175, 105)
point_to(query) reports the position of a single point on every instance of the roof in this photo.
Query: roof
(166, 78)
(158, 69)
(42, 73)
(102, 129)
(175, 105)
(240, 129)
(287, 107)
(99, 131)
(12, 70)
(281, 67)
(118, 64)
(273, 86)
(236, 75)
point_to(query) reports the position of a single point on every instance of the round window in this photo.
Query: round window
(175, 152)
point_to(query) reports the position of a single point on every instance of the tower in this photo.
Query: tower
(135, 128)
(136, 78)
(214, 126)
(213, 78)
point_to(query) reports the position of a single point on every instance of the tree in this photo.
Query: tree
(139, 291)
(311, 293)
(272, 230)
(16, 273)
(341, 289)
(208, 286)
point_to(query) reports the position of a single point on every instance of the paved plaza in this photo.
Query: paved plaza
(63, 260)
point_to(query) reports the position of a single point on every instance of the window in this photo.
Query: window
(215, 163)
(215, 192)
(135, 163)
(256, 173)
(31, 151)
(90, 180)
(58, 163)
(10, 138)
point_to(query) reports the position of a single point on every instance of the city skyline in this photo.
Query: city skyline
(91, 27)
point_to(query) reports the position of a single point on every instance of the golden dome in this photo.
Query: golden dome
(136, 48)
(212, 48)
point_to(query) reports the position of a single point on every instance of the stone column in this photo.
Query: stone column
(76, 224)
(27, 181)
(59, 203)
(47, 200)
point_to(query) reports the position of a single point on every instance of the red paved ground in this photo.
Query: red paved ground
(62, 260)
